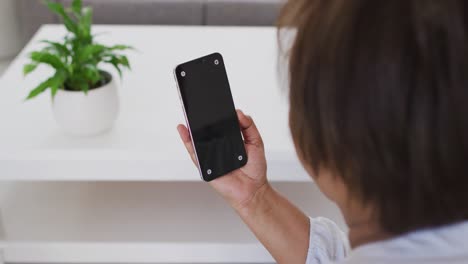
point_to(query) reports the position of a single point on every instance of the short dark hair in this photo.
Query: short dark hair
(379, 96)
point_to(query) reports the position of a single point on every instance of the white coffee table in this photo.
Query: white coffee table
(132, 195)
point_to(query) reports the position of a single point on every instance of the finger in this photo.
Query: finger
(249, 129)
(184, 133)
(187, 140)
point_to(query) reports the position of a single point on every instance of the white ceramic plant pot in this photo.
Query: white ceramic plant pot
(81, 114)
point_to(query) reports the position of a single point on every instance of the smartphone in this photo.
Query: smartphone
(211, 116)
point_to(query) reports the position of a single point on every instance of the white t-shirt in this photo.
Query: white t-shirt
(445, 245)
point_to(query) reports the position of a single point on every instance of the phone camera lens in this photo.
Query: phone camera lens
(240, 158)
(216, 62)
(182, 74)
(209, 172)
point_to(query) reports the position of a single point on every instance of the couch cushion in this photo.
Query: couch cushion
(162, 12)
(242, 12)
(32, 13)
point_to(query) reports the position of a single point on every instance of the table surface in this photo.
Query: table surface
(144, 144)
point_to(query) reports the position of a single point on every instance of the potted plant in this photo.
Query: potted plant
(84, 97)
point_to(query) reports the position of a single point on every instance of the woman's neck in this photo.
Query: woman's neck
(364, 233)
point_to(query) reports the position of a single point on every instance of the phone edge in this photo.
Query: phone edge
(187, 123)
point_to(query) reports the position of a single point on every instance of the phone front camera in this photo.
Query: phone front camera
(216, 62)
(182, 74)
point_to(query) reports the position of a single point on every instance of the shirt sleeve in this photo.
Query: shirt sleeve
(327, 242)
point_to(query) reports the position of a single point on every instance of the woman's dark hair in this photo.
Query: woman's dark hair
(379, 96)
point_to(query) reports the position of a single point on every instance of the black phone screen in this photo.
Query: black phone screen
(211, 116)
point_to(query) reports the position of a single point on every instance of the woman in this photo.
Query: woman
(378, 115)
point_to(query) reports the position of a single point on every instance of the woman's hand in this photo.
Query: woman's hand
(240, 186)
(279, 225)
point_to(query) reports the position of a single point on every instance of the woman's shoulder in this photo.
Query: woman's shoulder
(327, 241)
(444, 245)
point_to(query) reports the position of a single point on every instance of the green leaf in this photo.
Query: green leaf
(91, 73)
(124, 61)
(115, 62)
(40, 88)
(85, 88)
(120, 59)
(82, 86)
(86, 21)
(48, 58)
(78, 83)
(53, 90)
(28, 68)
(121, 47)
(75, 59)
(54, 83)
(59, 48)
(100, 34)
(57, 81)
(55, 7)
(76, 6)
(90, 52)
(58, 9)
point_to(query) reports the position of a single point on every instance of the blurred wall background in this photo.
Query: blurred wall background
(10, 42)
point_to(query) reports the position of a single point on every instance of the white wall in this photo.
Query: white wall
(10, 42)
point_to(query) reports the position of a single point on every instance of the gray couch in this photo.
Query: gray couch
(32, 13)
